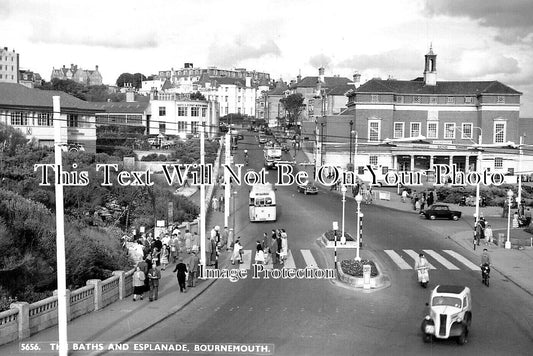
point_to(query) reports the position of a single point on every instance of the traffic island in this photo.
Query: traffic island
(363, 274)
(328, 239)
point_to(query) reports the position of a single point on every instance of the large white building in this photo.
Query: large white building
(9, 66)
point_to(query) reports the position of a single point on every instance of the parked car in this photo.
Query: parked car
(167, 143)
(153, 141)
(307, 189)
(450, 314)
(262, 140)
(441, 211)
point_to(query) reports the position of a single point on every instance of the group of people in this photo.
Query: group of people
(272, 249)
(482, 231)
(419, 200)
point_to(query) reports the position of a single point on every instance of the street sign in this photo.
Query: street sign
(335, 225)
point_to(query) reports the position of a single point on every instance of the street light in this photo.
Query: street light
(351, 134)
(234, 210)
(343, 190)
(510, 196)
(358, 199)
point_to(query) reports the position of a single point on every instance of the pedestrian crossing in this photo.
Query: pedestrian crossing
(305, 260)
(448, 259)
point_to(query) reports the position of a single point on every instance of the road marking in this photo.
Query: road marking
(398, 259)
(246, 260)
(289, 262)
(442, 260)
(414, 256)
(309, 259)
(462, 259)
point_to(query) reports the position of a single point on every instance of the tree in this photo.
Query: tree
(125, 79)
(294, 105)
(138, 79)
(66, 85)
(197, 96)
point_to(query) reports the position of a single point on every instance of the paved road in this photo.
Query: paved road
(314, 317)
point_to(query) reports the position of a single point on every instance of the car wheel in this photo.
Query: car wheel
(432, 217)
(455, 217)
(427, 338)
(463, 338)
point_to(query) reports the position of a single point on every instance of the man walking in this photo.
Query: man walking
(193, 264)
(154, 275)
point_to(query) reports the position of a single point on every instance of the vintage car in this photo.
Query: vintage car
(262, 140)
(450, 314)
(307, 189)
(441, 211)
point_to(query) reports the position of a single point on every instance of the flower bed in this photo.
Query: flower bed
(355, 268)
(330, 235)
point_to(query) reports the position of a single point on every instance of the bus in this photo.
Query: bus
(272, 155)
(262, 203)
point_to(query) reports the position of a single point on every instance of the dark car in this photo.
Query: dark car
(441, 211)
(307, 189)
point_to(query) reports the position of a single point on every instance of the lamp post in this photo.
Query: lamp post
(510, 196)
(321, 143)
(351, 135)
(343, 190)
(355, 156)
(478, 168)
(358, 199)
(234, 210)
(519, 198)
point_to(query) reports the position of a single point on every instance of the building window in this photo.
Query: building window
(374, 130)
(162, 111)
(373, 160)
(398, 129)
(45, 119)
(195, 111)
(469, 100)
(238, 110)
(194, 127)
(498, 163)
(182, 111)
(417, 99)
(450, 100)
(19, 118)
(449, 130)
(499, 132)
(433, 100)
(466, 131)
(262, 104)
(238, 99)
(432, 130)
(204, 112)
(500, 99)
(415, 129)
(182, 126)
(162, 128)
(399, 98)
(374, 98)
(226, 98)
(72, 120)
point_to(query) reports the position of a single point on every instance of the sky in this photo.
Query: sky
(473, 39)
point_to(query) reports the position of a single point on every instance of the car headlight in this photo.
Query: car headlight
(428, 317)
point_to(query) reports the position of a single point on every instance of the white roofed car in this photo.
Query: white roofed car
(450, 314)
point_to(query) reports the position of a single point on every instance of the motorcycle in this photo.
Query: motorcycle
(485, 274)
(423, 276)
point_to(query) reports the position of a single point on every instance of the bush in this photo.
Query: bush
(355, 268)
(155, 157)
(330, 235)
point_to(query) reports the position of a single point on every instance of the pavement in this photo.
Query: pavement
(514, 264)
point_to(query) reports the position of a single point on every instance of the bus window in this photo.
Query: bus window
(252, 201)
(268, 201)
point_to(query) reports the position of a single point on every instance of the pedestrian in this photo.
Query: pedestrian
(221, 202)
(284, 248)
(515, 220)
(479, 232)
(273, 250)
(188, 241)
(260, 255)
(156, 255)
(505, 211)
(417, 204)
(217, 234)
(195, 242)
(224, 237)
(404, 196)
(165, 253)
(194, 263)
(237, 252)
(215, 204)
(230, 240)
(181, 268)
(266, 245)
(527, 214)
(488, 234)
(154, 275)
(174, 247)
(138, 283)
(430, 199)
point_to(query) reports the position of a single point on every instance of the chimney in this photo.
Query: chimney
(321, 71)
(96, 67)
(356, 79)
(130, 97)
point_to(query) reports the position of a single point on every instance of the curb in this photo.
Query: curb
(377, 283)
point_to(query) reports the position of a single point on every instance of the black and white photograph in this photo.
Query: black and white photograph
(288, 178)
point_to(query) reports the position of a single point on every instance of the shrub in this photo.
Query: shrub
(330, 235)
(355, 268)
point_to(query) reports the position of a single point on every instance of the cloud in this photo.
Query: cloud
(511, 18)
(72, 34)
(227, 55)
(320, 60)
(401, 59)
(480, 64)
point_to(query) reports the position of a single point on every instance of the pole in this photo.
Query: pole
(343, 189)
(60, 237)
(317, 148)
(234, 211)
(227, 185)
(520, 177)
(203, 213)
(355, 156)
(351, 134)
(508, 242)
(321, 143)
(478, 168)
(358, 199)
(335, 228)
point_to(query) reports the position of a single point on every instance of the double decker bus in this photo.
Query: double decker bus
(262, 203)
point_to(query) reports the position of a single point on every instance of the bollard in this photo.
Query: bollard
(366, 276)
(501, 238)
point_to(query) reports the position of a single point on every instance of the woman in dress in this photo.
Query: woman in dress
(165, 253)
(138, 283)
(284, 247)
(181, 268)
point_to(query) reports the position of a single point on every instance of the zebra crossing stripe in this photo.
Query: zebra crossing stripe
(246, 260)
(309, 259)
(414, 256)
(289, 262)
(462, 259)
(442, 260)
(398, 259)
